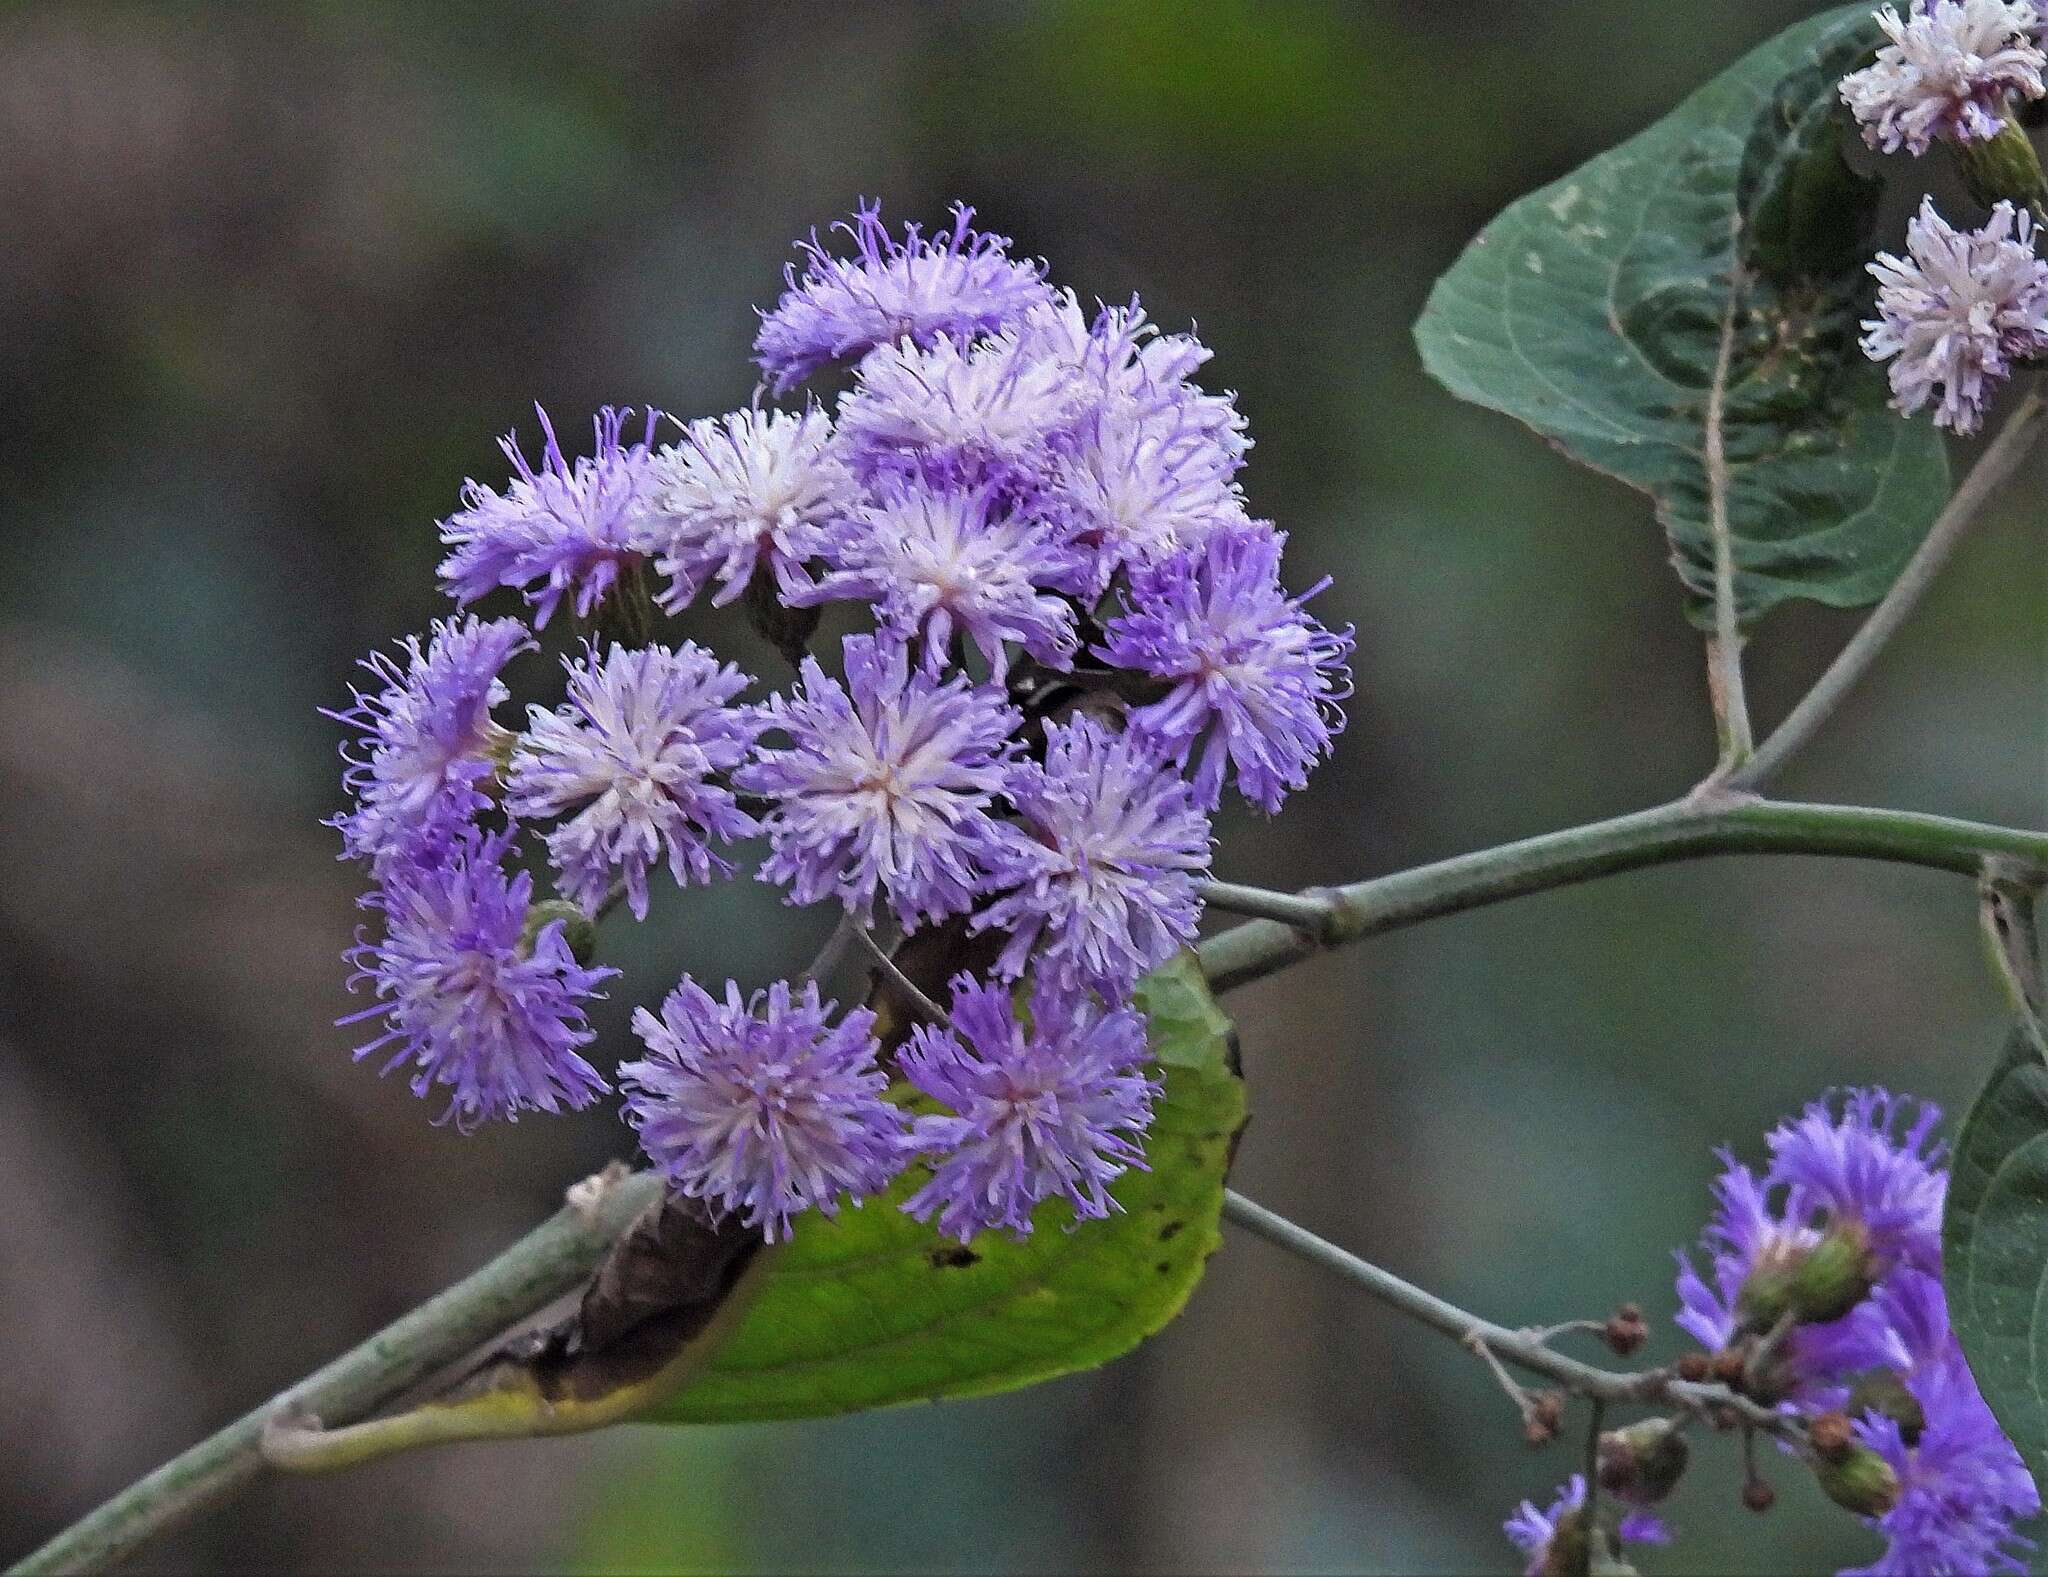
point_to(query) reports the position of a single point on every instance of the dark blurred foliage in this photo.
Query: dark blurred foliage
(273, 278)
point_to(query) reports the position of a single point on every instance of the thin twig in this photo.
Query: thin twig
(924, 1004)
(1550, 1333)
(1993, 468)
(1646, 1387)
(835, 947)
(1305, 911)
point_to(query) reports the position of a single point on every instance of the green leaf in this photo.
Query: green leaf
(874, 1309)
(1995, 1247)
(1682, 313)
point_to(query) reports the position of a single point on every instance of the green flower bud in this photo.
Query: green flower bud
(1644, 1462)
(1858, 1480)
(1817, 1284)
(2004, 169)
(1882, 1391)
(577, 930)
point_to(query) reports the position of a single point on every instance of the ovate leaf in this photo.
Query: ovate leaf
(1682, 313)
(1995, 1247)
(873, 1309)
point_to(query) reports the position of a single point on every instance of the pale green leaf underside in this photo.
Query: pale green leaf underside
(1995, 1247)
(873, 1309)
(1594, 310)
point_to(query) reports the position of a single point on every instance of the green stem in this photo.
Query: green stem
(1696, 828)
(553, 1259)
(1993, 469)
(559, 1255)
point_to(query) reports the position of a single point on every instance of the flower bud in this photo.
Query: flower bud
(2004, 169)
(577, 930)
(1814, 1285)
(1543, 1418)
(1758, 1496)
(1883, 1392)
(1625, 1330)
(1831, 1435)
(1695, 1367)
(1644, 1462)
(1859, 1480)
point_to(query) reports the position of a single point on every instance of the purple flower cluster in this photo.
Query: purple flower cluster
(1841, 1237)
(1080, 640)
(1963, 308)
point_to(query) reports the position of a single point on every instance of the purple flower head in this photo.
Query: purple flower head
(956, 285)
(1875, 1165)
(1102, 870)
(995, 412)
(741, 489)
(1958, 311)
(494, 1020)
(639, 754)
(943, 562)
(885, 785)
(428, 743)
(1052, 1111)
(1138, 483)
(1963, 1487)
(1129, 368)
(1531, 1531)
(1742, 1233)
(1870, 1171)
(1248, 666)
(565, 527)
(1948, 73)
(763, 1106)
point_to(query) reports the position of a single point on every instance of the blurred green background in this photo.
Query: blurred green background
(273, 278)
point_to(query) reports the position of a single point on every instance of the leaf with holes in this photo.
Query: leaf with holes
(873, 1309)
(1682, 313)
(1995, 1247)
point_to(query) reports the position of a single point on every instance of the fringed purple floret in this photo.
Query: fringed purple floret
(1948, 74)
(763, 1106)
(568, 529)
(1255, 680)
(753, 490)
(1958, 312)
(1963, 1487)
(429, 747)
(1055, 1110)
(944, 563)
(484, 1014)
(641, 756)
(955, 284)
(1101, 876)
(995, 413)
(885, 786)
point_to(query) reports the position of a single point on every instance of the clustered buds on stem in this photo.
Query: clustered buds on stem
(1820, 1298)
(1081, 640)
